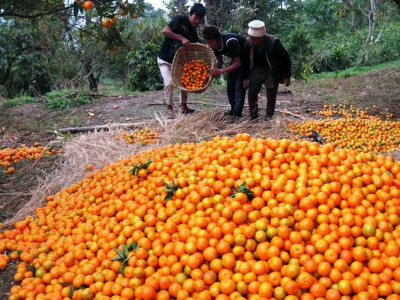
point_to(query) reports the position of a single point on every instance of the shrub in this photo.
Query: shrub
(299, 48)
(145, 74)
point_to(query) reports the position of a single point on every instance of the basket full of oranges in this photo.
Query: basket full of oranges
(191, 68)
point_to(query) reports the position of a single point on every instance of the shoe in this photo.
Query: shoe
(254, 119)
(186, 110)
(268, 118)
(228, 113)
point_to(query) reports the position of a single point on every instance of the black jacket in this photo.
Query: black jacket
(277, 57)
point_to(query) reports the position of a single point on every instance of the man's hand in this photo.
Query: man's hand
(216, 72)
(286, 81)
(245, 84)
(184, 41)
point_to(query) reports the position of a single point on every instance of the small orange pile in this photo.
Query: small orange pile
(195, 74)
(9, 156)
(142, 136)
(357, 129)
(224, 219)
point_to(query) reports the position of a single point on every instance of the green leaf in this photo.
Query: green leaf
(121, 254)
(115, 258)
(242, 187)
(126, 250)
(71, 292)
(122, 269)
(134, 246)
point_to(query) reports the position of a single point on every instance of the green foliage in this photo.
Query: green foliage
(307, 72)
(299, 49)
(354, 71)
(63, 100)
(18, 101)
(145, 74)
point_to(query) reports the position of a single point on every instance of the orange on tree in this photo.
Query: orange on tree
(88, 5)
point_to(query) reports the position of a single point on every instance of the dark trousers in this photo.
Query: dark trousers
(255, 86)
(236, 92)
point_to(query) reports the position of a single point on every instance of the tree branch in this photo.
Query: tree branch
(37, 15)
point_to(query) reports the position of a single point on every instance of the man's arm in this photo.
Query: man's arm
(236, 64)
(167, 31)
(285, 62)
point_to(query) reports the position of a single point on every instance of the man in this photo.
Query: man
(236, 48)
(270, 65)
(180, 31)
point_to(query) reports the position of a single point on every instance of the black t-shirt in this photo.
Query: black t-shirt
(234, 45)
(182, 26)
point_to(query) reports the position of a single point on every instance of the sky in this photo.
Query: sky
(156, 4)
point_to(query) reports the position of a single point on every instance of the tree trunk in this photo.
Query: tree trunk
(6, 76)
(371, 22)
(92, 79)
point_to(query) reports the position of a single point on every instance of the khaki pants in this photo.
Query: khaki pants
(165, 69)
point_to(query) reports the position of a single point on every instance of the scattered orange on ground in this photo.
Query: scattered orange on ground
(354, 129)
(142, 136)
(9, 156)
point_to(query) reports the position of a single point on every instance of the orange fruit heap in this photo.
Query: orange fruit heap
(195, 74)
(8, 156)
(311, 223)
(357, 129)
(142, 136)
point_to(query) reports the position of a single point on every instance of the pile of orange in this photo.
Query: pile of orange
(9, 156)
(356, 130)
(142, 136)
(349, 111)
(248, 219)
(195, 74)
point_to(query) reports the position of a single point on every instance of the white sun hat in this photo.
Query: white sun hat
(256, 28)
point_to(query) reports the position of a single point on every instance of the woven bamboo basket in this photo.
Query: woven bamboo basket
(184, 55)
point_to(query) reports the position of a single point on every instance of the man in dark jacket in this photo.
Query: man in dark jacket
(235, 47)
(180, 31)
(269, 64)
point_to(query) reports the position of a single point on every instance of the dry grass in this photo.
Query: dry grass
(207, 124)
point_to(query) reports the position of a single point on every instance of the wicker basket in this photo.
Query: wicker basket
(184, 55)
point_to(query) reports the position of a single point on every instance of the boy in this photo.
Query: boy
(180, 31)
(236, 48)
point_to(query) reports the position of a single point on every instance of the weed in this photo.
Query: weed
(65, 103)
(18, 101)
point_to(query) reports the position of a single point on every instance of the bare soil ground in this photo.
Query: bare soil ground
(34, 123)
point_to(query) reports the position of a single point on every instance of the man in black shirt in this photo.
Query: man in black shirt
(180, 31)
(236, 48)
(269, 64)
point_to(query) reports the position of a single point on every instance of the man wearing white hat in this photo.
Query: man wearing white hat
(270, 65)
